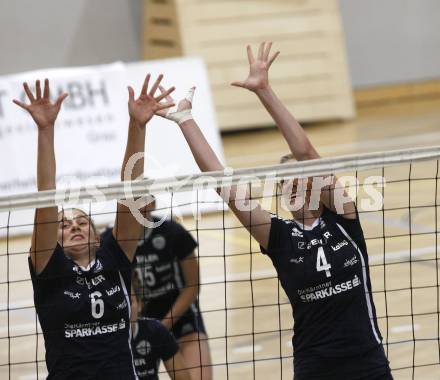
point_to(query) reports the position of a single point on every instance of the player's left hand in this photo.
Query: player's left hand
(258, 78)
(147, 105)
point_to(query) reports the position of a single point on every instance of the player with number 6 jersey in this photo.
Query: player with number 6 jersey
(84, 311)
(81, 287)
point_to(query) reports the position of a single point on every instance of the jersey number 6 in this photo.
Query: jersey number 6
(321, 262)
(97, 305)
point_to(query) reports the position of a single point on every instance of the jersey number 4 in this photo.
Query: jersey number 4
(321, 262)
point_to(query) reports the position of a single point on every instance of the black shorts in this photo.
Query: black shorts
(370, 365)
(386, 376)
(190, 322)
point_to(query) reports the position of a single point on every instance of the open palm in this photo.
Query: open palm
(258, 77)
(147, 105)
(41, 108)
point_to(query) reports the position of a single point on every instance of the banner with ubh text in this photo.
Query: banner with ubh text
(91, 131)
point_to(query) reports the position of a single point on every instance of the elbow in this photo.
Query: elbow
(196, 291)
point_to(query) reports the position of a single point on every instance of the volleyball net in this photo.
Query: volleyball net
(247, 315)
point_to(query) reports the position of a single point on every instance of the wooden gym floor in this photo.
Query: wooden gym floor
(258, 319)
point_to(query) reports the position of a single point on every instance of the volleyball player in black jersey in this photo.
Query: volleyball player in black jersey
(169, 274)
(81, 288)
(320, 255)
(169, 271)
(153, 342)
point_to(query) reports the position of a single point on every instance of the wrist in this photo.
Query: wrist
(186, 123)
(136, 123)
(46, 127)
(46, 135)
(263, 90)
(180, 117)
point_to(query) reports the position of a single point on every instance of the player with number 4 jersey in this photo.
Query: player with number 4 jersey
(320, 254)
(323, 268)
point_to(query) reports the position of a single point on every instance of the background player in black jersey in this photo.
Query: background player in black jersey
(169, 274)
(320, 255)
(153, 342)
(80, 287)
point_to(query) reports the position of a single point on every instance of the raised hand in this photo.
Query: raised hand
(258, 78)
(42, 110)
(146, 105)
(184, 107)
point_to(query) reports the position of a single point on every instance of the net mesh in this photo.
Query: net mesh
(246, 312)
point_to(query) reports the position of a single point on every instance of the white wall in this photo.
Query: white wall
(389, 41)
(37, 34)
(392, 41)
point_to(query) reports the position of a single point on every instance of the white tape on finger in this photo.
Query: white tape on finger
(190, 94)
(181, 116)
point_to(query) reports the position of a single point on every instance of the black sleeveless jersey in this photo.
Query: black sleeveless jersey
(324, 272)
(158, 264)
(85, 315)
(152, 342)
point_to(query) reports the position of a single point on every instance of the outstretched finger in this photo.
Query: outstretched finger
(168, 97)
(130, 94)
(274, 57)
(21, 104)
(165, 94)
(164, 106)
(145, 85)
(267, 51)
(60, 99)
(261, 50)
(250, 54)
(38, 89)
(190, 95)
(28, 92)
(46, 93)
(156, 85)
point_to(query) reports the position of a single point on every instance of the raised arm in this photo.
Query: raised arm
(44, 113)
(299, 144)
(127, 230)
(258, 82)
(256, 220)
